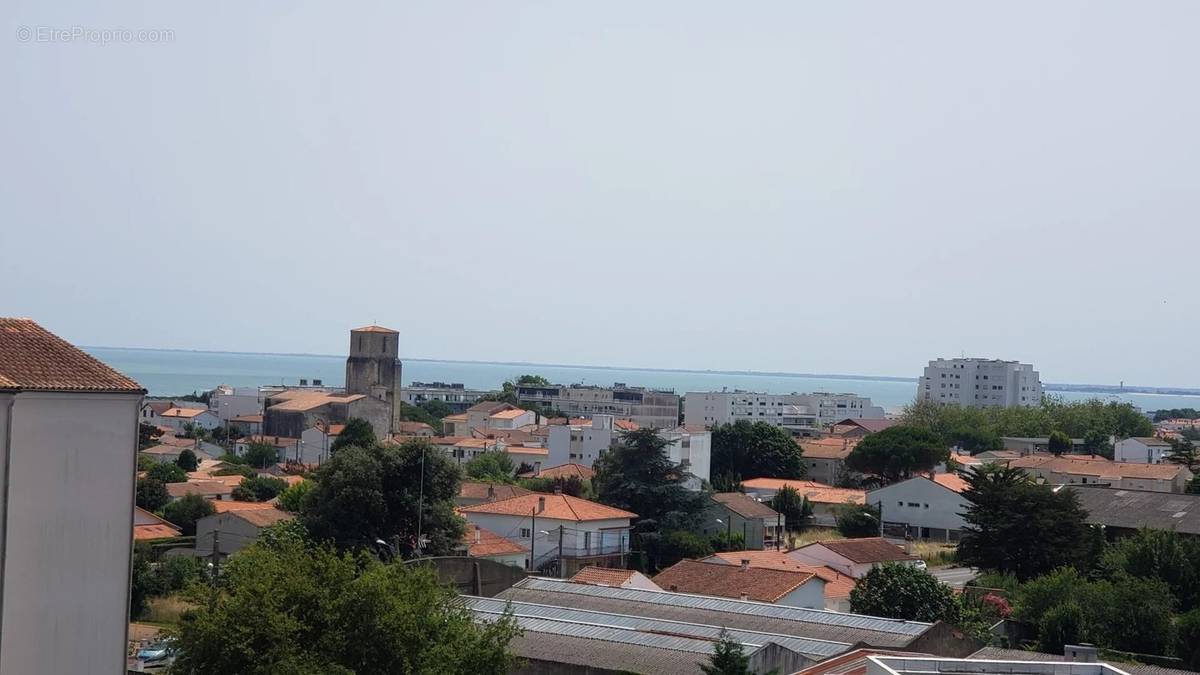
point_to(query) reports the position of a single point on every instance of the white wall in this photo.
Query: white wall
(65, 551)
(810, 594)
(1133, 450)
(574, 538)
(920, 502)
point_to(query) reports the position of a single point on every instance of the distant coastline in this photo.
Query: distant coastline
(1049, 386)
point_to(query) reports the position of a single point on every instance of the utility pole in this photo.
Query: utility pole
(421, 502)
(778, 529)
(216, 565)
(561, 568)
(532, 536)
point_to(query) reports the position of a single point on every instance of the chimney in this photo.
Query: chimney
(1080, 653)
(491, 492)
(745, 563)
(541, 504)
(558, 489)
(673, 588)
(743, 596)
(477, 536)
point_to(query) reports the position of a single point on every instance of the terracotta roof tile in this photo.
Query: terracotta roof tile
(556, 506)
(508, 414)
(730, 581)
(262, 517)
(626, 425)
(1091, 465)
(603, 576)
(250, 419)
(410, 428)
(477, 490)
(163, 450)
(483, 543)
(818, 493)
(156, 531)
(526, 450)
(950, 481)
(563, 471)
(744, 505)
(33, 358)
(867, 550)
(312, 400)
(223, 506)
(837, 585)
(184, 413)
(198, 487)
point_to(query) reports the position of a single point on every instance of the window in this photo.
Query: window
(587, 540)
(524, 532)
(915, 505)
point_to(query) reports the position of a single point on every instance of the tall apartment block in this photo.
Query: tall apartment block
(647, 407)
(980, 383)
(801, 414)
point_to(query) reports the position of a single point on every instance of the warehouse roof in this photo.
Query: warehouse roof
(1135, 509)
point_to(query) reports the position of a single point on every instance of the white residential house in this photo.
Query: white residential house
(557, 527)
(163, 454)
(179, 418)
(980, 383)
(68, 449)
(853, 557)
(286, 447)
(511, 419)
(232, 531)
(927, 508)
(316, 441)
(230, 402)
(800, 414)
(1141, 450)
(482, 543)
(614, 578)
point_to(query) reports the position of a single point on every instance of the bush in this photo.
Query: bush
(187, 460)
(261, 455)
(902, 592)
(1062, 625)
(258, 489)
(151, 494)
(857, 520)
(292, 498)
(184, 512)
(795, 508)
(168, 472)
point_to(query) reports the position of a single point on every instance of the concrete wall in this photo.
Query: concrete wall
(373, 368)
(921, 503)
(1133, 450)
(234, 534)
(68, 529)
(473, 576)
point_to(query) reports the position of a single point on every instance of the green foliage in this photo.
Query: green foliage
(178, 573)
(292, 498)
(187, 460)
(357, 432)
(857, 520)
(235, 470)
(258, 488)
(727, 482)
(1014, 525)
(727, 658)
(727, 541)
(421, 413)
(682, 545)
(898, 452)
(571, 485)
(364, 494)
(1006, 583)
(1187, 641)
(436, 410)
(495, 466)
(145, 462)
(167, 472)
(1062, 625)
(1075, 418)
(903, 592)
(142, 583)
(1096, 442)
(1177, 414)
(261, 455)
(186, 510)
(755, 450)
(146, 435)
(975, 441)
(795, 508)
(1058, 442)
(1159, 554)
(1184, 452)
(289, 607)
(232, 458)
(151, 494)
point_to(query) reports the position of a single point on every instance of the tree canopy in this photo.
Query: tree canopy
(1016, 526)
(258, 489)
(728, 658)
(187, 460)
(795, 508)
(900, 591)
(365, 494)
(186, 510)
(167, 472)
(260, 455)
(495, 466)
(1074, 418)
(357, 432)
(855, 521)
(1058, 442)
(755, 450)
(898, 452)
(151, 494)
(287, 606)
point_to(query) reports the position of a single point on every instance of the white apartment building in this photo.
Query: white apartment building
(583, 442)
(1142, 450)
(980, 383)
(801, 414)
(230, 402)
(68, 448)
(455, 394)
(645, 407)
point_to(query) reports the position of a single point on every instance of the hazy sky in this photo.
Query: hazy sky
(821, 187)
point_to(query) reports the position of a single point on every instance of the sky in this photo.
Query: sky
(834, 187)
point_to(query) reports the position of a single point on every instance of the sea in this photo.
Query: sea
(167, 372)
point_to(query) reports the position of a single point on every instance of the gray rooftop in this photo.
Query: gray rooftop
(811, 624)
(1022, 655)
(1135, 509)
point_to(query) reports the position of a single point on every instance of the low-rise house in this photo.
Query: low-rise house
(1096, 470)
(825, 499)
(288, 413)
(419, 429)
(733, 513)
(525, 455)
(760, 584)
(615, 578)
(1142, 450)
(209, 488)
(232, 531)
(151, 410)
(149, 527)
(854, 557)
(247, 425)
(1031, 445)
(564, 471)
(826, 457)
(316, 443)
(483, 543)
(837, 584)
(456, 425)
(203, 449)
(924, 507)
(858, 428)
(563, 533)
(580, 441)
(471, 493)
(163, 454)
(288, 448)
(180, 418)
(511, 419)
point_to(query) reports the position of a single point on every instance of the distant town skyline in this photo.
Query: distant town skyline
(791, 187)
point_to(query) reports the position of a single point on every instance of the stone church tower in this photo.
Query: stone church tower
(373, 367)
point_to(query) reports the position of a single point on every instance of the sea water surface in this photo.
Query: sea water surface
(175, 372)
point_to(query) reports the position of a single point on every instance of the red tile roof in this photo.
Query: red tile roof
(251, 419)
(477, 490)
(730, 581)
(556, 506)
(563, 471)
(262, 517)
(626, 425)
(603, 576)
(483, 543)
(33, 358)
(837, 585)
(818, 493)
(950, 481)
(744, 505)
(185, 413)
(222, 506)
(156, 531)
(868, 550)
(198, 487)
(1090, 465)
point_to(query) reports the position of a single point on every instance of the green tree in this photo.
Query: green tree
(167, 472)
(258, 489)
(143, 582)
(975, 441)
(755, 450)
(1184, 452)
(178, 573)
(680, 545)
(903, 592)
(495, 466)
(1059, 443)
(187, 460)
(151, 494)
(897, 453)
(286, 606)
(185, 511)
(855, 521)
(1075, 418)
(260, 455)
(1158, 554)
(1062, 625)
(357, 432)
(147, 433)
(436, 409)
(292, 498)
(364, 494)
(145, 462)
(1187, 641)
(727, 658)
(1015, 525)
(1096, 442)
(637, 475)
(795, 508)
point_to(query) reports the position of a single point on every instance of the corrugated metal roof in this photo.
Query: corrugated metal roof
(818, 616)
(818, 649)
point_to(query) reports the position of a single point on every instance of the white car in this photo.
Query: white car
(920, 564)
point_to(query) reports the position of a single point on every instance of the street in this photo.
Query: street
(955, 577)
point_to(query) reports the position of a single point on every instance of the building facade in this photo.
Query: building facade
(801, 414)
(455, 395)
(646, 407)
(1142, 450)
(980, 383)
(68, 448)
(373, 368)
(582, 441)
(923, 508)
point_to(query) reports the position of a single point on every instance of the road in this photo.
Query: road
(955, 577)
